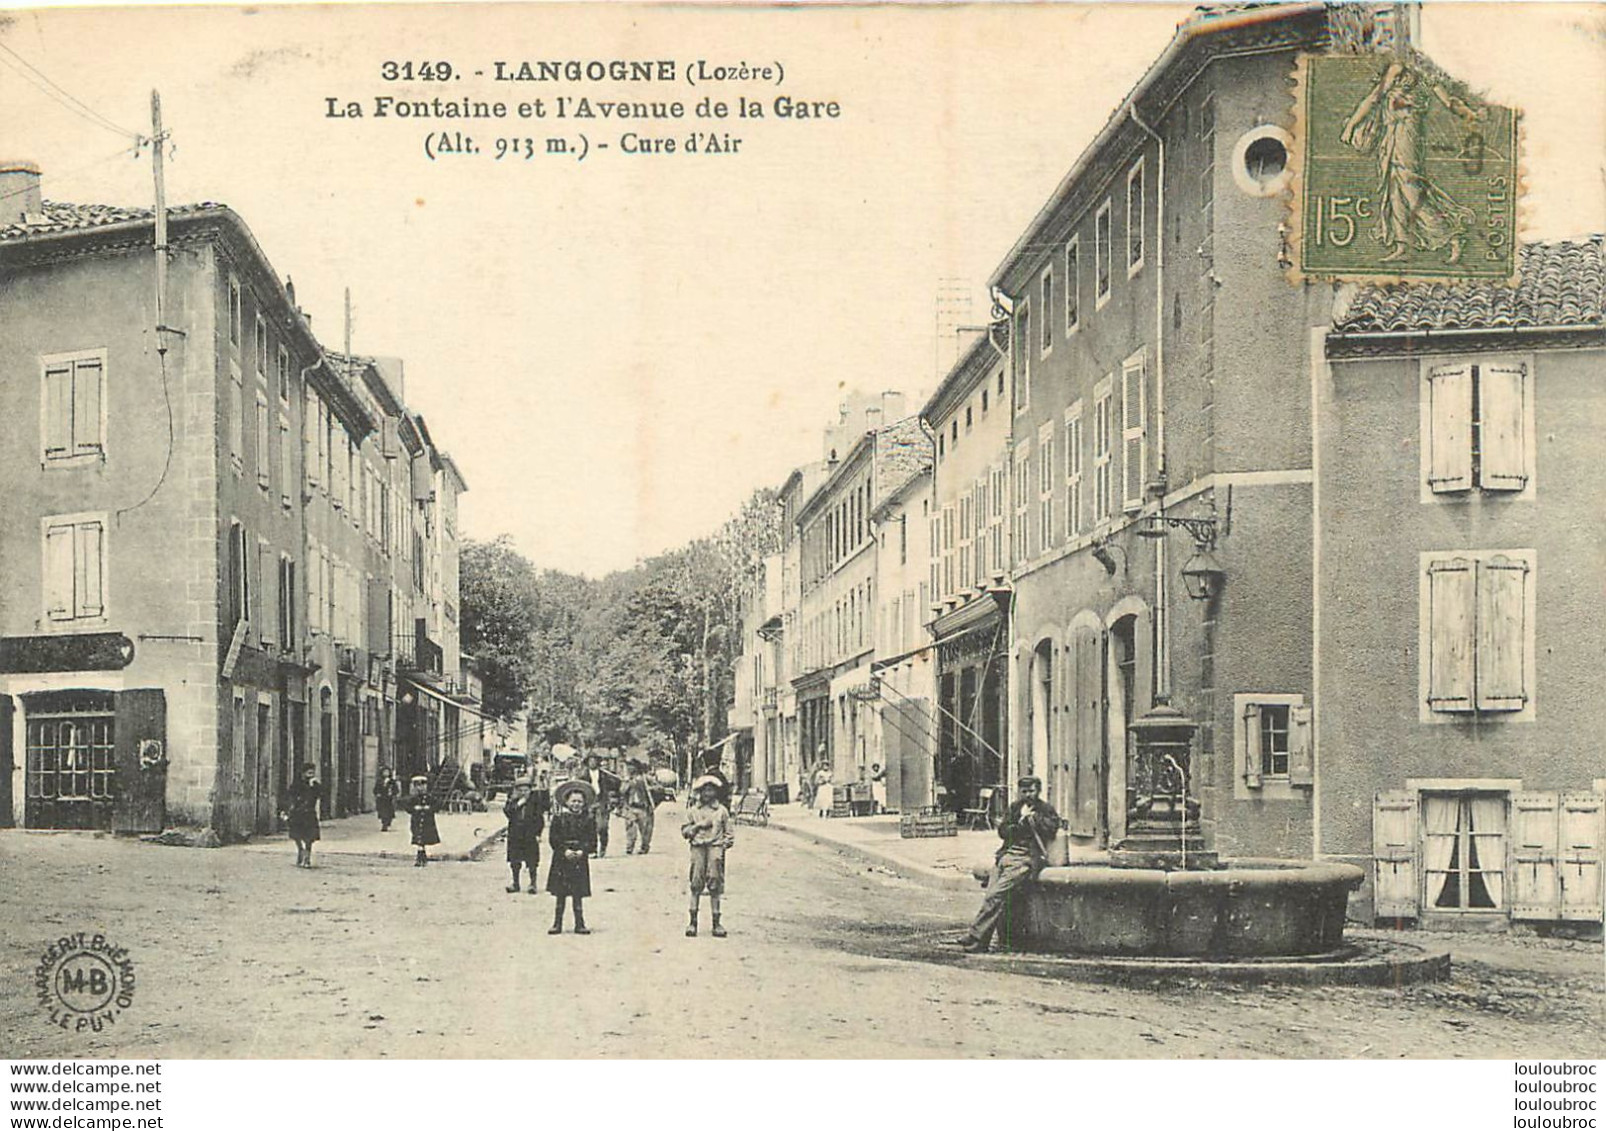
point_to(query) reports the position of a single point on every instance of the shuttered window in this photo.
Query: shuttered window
(1073, 280)
(267, 593)
(1134, 439)
(75, 568)
(1478, 652)
(236, 416)
(1477, 427)
(1101, 255)
(1023, 357)
(1047, 283)
(1134, 219)
(73, 423)
(287, 457)
(264, 448)
(1073, 470)
(1047, 470)
(1101, 451)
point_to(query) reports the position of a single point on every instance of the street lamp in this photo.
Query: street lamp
(1202, 575)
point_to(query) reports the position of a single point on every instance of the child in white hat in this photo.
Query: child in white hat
(707, 830)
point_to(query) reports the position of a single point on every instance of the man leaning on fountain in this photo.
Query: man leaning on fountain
(1027, 830)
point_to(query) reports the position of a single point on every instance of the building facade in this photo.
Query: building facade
(193, 496)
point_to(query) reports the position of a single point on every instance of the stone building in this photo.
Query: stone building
(193, 500)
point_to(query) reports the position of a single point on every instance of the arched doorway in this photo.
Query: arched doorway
(1120, 705)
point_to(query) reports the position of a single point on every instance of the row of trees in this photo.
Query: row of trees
(643, 656)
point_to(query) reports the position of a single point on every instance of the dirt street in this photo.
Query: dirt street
(240, 954)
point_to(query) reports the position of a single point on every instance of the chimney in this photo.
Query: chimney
(19, 191)
(872, 419)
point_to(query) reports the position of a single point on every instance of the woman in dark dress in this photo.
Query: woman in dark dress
(386, 790)
(301, 813)
(423, 819)
(572, 834)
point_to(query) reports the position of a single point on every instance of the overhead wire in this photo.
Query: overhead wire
(127, 149)
(62, 96)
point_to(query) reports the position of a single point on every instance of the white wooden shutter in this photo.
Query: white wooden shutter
(58, 572)
(1581, 834)
(58, 411)
(309, 436)
(1535, 885)
(86, 393)
(1394, 855)
(1132, 437)
(286, 462)
(1301, 771)
(1502, 454)
(1252, 751)
(1502, 683)
(267, 592)
(89, 570)
(1450, 431)
(1451, 590)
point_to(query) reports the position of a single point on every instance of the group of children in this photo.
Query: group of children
(572, 834)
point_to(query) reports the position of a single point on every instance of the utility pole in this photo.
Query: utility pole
(158, 140)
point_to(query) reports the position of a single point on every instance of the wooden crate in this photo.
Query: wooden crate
(925, 824)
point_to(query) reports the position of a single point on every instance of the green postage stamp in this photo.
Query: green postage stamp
(1403, 173)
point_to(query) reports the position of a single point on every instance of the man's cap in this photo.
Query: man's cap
(1029, 781)
(416, 778)
(707, 779)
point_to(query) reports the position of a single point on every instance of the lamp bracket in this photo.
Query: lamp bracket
(1202, 530)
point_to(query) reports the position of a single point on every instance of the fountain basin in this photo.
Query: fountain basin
(1247, 908)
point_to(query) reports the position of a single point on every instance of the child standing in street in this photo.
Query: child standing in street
(301, 813)
(526, 818)
(422, 809)
(707, 830)
(572, 834)
(386, 790)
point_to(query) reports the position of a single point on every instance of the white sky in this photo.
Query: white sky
(618, 351)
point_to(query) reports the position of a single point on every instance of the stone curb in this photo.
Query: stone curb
(929, 877)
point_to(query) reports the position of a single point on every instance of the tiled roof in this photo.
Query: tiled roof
(903, 451)
(1562, 284)
(60, 217)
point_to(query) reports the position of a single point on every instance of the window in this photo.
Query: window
(239, 576)
(1102, 493)
(1273, 739)
(1047, 284)
(969, 416)
(1476, 420)
(984, 402)
(942, 444)
(1073, 280)
(1023, 360)
(236, 416)
(267, 594)
(995, 515)
(1463, 851)
(978, 494)
(1020, 541)
(73, 419)
(284, 375)
(967, 534)
(903, 539)
(75, 568)
(286, 462)
(1134, 442)
(235, 316)
(1046, 469)
(934, 558)
(264, 452)
(1101, 255)
(262, 350)
(309, 437)
(1134, 220)
(949, 581)
(1073, 470)
(1477, 633)
(287, 603)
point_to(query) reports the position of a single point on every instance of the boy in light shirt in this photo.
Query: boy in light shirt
(707, 830)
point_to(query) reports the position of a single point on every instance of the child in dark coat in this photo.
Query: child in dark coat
(572, 834)
(526, 818)
(301, 813)
(386, 790)
(423, 819)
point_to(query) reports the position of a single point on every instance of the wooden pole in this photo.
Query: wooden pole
(158, 140)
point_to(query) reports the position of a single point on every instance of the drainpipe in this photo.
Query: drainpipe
(1004, 308)
(1162, 618)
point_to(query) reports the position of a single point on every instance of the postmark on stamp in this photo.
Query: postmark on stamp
(1401, 173)
(84, 982)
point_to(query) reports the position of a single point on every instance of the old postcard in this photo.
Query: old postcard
(638, 531)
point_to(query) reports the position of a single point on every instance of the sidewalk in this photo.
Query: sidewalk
(944, 861)
(464, 836)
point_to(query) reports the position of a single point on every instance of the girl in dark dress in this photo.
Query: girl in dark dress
(423, 811)
(572, 834)
(386, 790)
(301, 813)
(526, 818)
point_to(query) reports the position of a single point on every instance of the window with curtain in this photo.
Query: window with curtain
(1464, 851)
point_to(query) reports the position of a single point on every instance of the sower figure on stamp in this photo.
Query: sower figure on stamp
(571, 834)
(639, 801)
(301, 813)
(1028, 828)
(526, 820)
(707, 830)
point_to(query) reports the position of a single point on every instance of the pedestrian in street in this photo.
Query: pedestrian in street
(422, 809)
(526, 820)
(605, 787)
(1028, 828)
(707, 830)
(300, 813)
(386, 790)
(572, 833)
(824, 792)
(878, 788)
(640, 799)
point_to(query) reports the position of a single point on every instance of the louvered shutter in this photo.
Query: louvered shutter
(58, 572)
(1132, 446)
(1581, 834)
(1535, 884)
(1502, 457)
(1451, 588)
(1502, 606)
(58, 411)
(1394, 853)
(89, 571)
(86, 392)
(1301, 771)
(1252, 750)
(1087, 689)
(267, 592)
(1450, 435)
